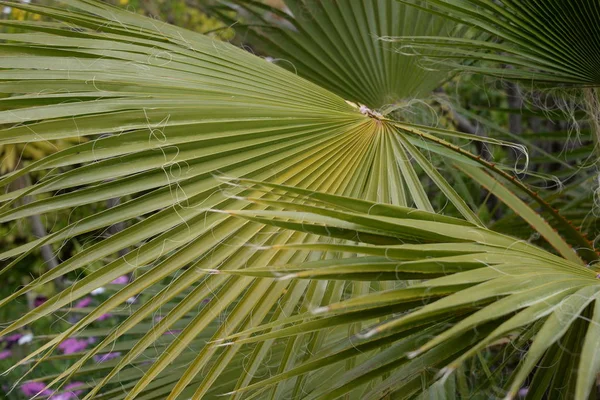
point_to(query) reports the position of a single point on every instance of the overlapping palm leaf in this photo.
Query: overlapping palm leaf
(482, 287)
(341, 45)
(548, 44)
(562, 167)
(550, 41)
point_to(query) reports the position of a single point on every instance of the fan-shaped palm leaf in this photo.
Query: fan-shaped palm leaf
(168, 109)
(339, 45)
(550, 41)
(483, 287)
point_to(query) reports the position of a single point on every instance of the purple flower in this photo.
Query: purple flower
(12, 338)
(69, 394)
(86, 301)
(73, 345)
(5, 354)
(74, 385)
(39, 300)
(122, 280)
(105, 357)
(63, 396)
(33, 388)
(103, 317)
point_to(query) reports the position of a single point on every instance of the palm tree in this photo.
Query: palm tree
(292, 233)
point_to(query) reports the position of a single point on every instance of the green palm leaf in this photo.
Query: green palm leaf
(168, 111)
(493, 286)
(547, 41)
(340, 45)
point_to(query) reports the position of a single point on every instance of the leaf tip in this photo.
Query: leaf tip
(368, 334)
(293, 276)
(227, 394)
(413, 354)
(224, 344)
(320, 310)
(210, 271)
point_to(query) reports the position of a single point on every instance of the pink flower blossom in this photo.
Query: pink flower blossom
(105, 357)
(74, 385)
(68, 394)
(5, 354)
(86, 301)
(32, 388)
(103, 317)
(12, 338)
(73, 345)
(122, 280)
(39, 300)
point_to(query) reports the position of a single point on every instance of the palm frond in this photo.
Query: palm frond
(167, 111)
(552, 41)
(492, 286)
(341, 46)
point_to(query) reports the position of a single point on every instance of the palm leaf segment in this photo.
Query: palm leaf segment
(168, 110)
(483, 287)
(548, 41)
